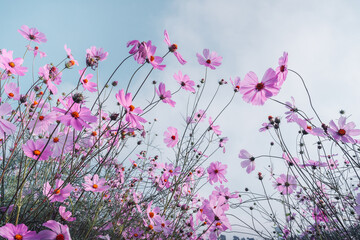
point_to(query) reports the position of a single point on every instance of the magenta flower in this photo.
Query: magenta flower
(36, 150)
(155, 61)
(164, 95)
(173, 48)
(96, 53)
(285, 184)
(291, 161)
(75, 115)
(217, 172)
(66, 215)
(211, 59)
(41, 122)
(344, 132)
(85, 80)
(185, 82)
(59, 193)
(6, 127)
(216, 128)
(171, 137)
(18, 232)
(256, 92)
(138, 50)
(249, 162)
(281, 70)
(32, 34)
(12, 66)
(236, 83)
(94, 184)
(51, 75)
(57, 232)
(132, 116)
(307, 128)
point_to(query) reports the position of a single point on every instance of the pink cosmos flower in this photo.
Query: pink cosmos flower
(132, 116)
(164, 95)
(98, 54)
(211, 59)
(41, 122)
(292, 110)
(72, 61)
(32, 34)
(291, 161)
(198, 117)
(344, 132)
(57, 232)
(6, 127)
(256, 92)
(75, 115)
(59, 193)
(35, 150)
(138, 50)
(357, 207)
(66, 215)
(222, 142)
(94, 184)
(36, 51)
(265, 126)
(173, 48)
(12, 91)
(185, 82)
(236, 83)
(216, 128)
(85, 80)
(162, 225)
(18, 232)
(155, 61)
(217, 172)
(12, 66)
(51, 75)
(285, 184)
(281, 70)
(249, 162)
(307, 128)
(171, 137)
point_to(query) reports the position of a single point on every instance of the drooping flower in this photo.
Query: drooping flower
(249, 162)
(94, 56)
(66, 215)
(344, 132)
(236, 83)
(75, 115)
(211, 60)
(6, 127)
(85, 80)
(281, 70)
(165, 96)
(18, 232)
(94, 184)
(12, 66)
(32, 34)
(138, 50)
(171, 137)
(132, 116)
(217, 172)
(185, 82)
(307, 128)
(36, 150)
(285, 184)
(57, 232)
(256, 92)
(292, 110)
(155, 61)
(173, 48)
(59, 193)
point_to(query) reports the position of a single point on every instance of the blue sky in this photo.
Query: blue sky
(322, 39)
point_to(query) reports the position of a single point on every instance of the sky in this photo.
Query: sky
(321, 37)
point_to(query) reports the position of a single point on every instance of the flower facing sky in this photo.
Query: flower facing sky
(217, 172)
(171, 137)
(344, 131)
(95, 184)
(210, 60)
(32, 34)
(256, 92)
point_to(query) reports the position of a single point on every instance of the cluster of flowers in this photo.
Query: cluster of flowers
(62, 174)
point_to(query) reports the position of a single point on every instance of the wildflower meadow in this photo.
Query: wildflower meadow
(86, 155)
